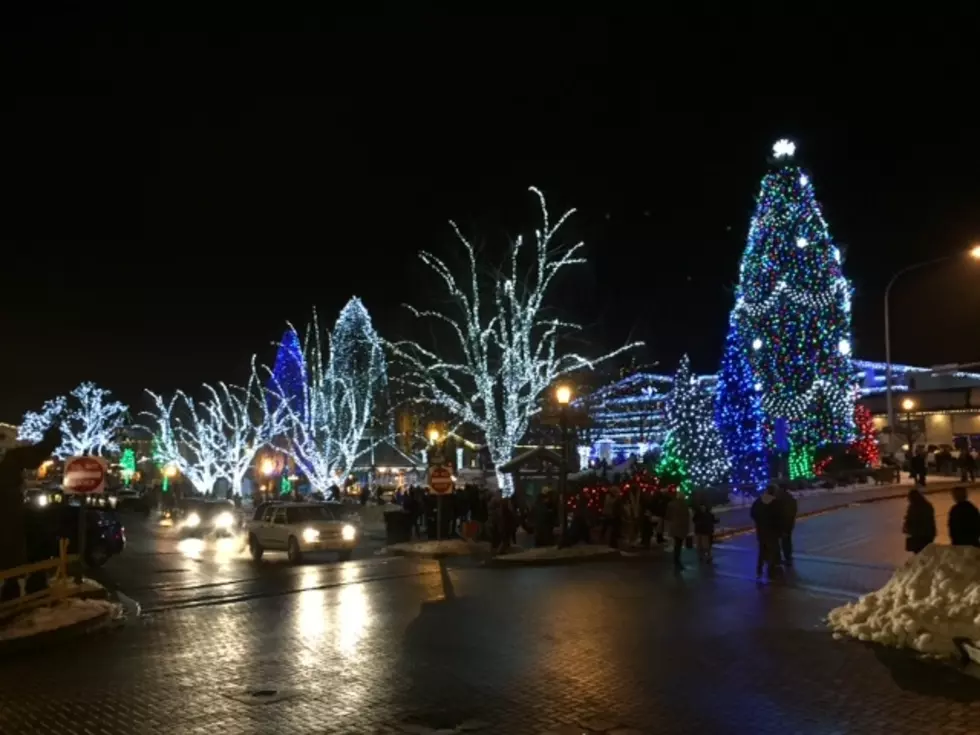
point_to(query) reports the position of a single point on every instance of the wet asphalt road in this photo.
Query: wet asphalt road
(380, 645)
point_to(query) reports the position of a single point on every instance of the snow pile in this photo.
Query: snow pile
(930, 600)
(553, 553)
(59, 615)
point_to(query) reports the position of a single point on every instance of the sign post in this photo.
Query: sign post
(440, 483)
(83, 476)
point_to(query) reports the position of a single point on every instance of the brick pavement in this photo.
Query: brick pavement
(521, 651)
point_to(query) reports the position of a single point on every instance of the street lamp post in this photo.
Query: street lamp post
(434, 438)
(889, 405)
(563, 394)
(907, 405)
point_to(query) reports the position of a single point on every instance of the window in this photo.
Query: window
(308, 513)
(270, 511)
(279, 515)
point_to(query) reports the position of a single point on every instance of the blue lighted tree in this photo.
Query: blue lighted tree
(738, 414)
(792, 315)
(289, 374)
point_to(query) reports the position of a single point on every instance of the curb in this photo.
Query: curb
(728, 533)
(500, 562)
(49, 638)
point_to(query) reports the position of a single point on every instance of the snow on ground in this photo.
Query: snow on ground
(447, 547)
(930, 600)
(553, 553)
(59, 615)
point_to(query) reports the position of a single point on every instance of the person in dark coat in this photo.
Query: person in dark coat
(704, 531)
(786, 509)
(968, 466)
(765, 515)
(964, 520)
(920, 522)
(918, 467)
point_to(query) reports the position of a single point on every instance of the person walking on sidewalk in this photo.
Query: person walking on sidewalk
(917, 465)
(765, 516)
(968, 466)
(920, 522)
(704, 531)
(964, 520)
(678, 521)
(786, 509)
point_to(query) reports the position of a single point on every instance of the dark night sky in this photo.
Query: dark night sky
(173, 196)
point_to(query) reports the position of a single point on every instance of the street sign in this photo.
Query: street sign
(440, 480)
(85, 475)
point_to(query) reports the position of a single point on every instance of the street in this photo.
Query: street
(382, 645)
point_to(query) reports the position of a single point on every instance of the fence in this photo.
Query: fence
(57, 587)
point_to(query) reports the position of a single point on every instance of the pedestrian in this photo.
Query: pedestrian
(968, 466)
(920, 522)
(786, 518)
(704, 531)
(646, 520)
(964, 520)
(917, 465)
(610, 512)
(678, 521)
(764, 515)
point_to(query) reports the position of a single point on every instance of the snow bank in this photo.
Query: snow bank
(930, 600)
(59, 615)
(553, 553)
(447, 547)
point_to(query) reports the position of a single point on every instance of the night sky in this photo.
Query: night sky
(176, 188)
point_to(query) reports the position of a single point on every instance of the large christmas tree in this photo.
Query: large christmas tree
(693, 446)
(792, 317)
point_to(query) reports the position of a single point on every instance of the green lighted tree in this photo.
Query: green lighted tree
(127, 463)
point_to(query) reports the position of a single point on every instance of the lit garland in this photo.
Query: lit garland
(738, 414)
(507, 361)
(792, 316)
(89, 423)
(693, 440)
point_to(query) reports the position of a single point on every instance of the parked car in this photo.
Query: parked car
(300, 528)
(105, 535)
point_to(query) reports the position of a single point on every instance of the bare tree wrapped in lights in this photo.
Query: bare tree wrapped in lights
(220, 436)
(509, 354)
(89, 423)
(327, 413)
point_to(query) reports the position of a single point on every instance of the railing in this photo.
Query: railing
(57, 587)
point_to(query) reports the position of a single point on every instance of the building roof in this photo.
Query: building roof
(529, 456)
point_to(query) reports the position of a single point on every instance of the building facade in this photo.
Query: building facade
(934, 407)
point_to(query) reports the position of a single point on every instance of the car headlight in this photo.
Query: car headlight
(348, 532)
(42, 500)
(224, 520)
(193, 520)
(311, 535)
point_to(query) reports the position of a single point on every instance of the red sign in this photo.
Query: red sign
(84, 475)
(441, 480)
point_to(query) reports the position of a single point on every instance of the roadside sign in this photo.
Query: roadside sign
(85, 475)
(440, 480)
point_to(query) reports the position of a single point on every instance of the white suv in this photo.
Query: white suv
(297, 528)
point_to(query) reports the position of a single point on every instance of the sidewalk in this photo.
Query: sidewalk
(738, 519)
